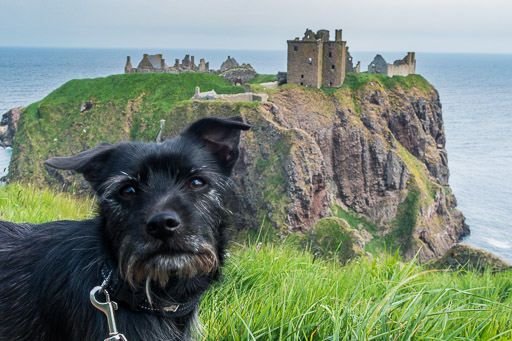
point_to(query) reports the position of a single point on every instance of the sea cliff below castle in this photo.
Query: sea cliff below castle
(368, 156)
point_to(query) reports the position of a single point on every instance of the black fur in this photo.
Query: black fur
(162, 216)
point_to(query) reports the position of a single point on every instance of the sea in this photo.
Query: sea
(475, 91)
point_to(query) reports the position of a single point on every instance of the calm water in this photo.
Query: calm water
(476, 92)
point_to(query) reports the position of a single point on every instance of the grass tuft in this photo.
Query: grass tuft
(27, 204)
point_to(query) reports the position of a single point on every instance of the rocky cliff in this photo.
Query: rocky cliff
(9, 126)
(370, 153)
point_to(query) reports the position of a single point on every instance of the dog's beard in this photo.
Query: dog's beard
(141, 269)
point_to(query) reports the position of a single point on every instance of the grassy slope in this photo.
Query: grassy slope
(124, 107)
(275, 292)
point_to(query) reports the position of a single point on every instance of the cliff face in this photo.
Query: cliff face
(371, 153)
(9, 125)
(382, 155)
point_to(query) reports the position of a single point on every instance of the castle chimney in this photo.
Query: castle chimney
(338, 35)
(128, 67)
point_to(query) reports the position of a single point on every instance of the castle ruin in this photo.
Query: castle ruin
(315, 61)
(156, 63)
(400, 67)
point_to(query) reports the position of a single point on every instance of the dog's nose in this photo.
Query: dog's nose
(162, 224)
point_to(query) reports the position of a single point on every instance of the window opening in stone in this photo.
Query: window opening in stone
(310, 61)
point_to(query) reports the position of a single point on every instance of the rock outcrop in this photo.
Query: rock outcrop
(9, 125)
(239, 75)
(463, 256)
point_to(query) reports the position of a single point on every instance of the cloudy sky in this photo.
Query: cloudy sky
(385, 25)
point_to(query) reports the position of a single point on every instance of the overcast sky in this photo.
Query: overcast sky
(375, 25)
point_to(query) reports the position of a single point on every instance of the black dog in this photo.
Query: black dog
(156, 245)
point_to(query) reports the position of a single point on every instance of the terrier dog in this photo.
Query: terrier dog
(157, 244)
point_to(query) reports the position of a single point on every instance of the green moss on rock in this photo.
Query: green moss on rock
(333, 238)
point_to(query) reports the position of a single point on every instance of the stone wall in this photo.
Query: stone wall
(334, 63)
(401, 67)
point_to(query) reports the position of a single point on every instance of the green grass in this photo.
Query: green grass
(26, 203)
(357, 81)
(274, 291)
(355, 220)
(263, 79)
(151, 95)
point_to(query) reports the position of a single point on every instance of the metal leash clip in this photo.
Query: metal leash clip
(107, 308)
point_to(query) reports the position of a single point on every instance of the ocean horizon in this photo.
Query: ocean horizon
(475, 92)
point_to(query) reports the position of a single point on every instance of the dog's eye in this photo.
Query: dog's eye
(128, 192)
(196, 183)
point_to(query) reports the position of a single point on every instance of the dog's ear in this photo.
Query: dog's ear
(89, 162)
(221, 137)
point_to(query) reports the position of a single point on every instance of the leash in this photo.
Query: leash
(108, 307)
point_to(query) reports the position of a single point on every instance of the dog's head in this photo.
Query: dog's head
(163, 204)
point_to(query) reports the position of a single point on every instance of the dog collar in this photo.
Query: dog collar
(137, 300)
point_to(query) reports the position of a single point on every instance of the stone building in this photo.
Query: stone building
(400, 67)
(229, 64)
(156, 63)
(149, 63)
(316, 61)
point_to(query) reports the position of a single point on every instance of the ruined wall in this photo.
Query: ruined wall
(334, 63)
(403, 67)
(156, 64)
(398, 70)
(349, 63)
(305, 62)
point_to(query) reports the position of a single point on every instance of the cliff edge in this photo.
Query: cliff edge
(370, 153)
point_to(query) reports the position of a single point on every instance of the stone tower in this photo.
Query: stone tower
(315, 61)
(128, 67)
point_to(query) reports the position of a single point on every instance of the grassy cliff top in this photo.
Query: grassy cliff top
(157, 92)
(357, 81)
